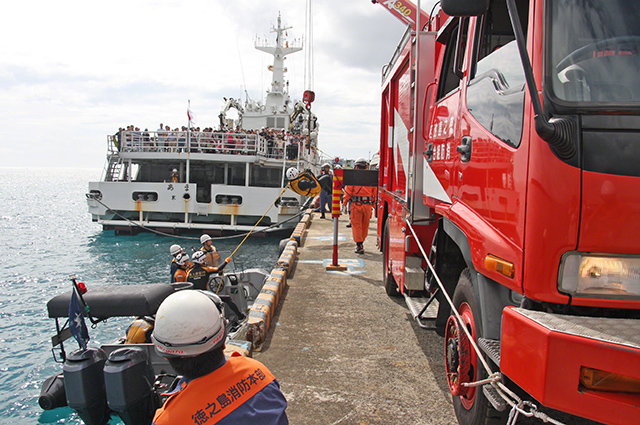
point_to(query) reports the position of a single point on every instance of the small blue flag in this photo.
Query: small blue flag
(76, 321)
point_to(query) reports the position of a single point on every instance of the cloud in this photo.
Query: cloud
(77, 71)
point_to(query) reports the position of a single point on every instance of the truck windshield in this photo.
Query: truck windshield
(594, 51)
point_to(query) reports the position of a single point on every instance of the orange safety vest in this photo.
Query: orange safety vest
(210, 398)
(181, 275)
(212, 258)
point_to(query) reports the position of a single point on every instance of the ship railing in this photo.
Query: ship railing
(185, 141)
(282, 149)
(204, 142)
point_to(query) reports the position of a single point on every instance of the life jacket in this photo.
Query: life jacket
(139, 331)
(213, 258)
(212, 397)
(173, 269)
(305, 184)
(181, 275)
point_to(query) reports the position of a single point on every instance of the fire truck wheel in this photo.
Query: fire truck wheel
(390, 285)
(472, 408)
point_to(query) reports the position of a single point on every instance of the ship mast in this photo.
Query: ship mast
(277, 96)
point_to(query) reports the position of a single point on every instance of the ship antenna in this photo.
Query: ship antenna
(308, 62)
(244, 82)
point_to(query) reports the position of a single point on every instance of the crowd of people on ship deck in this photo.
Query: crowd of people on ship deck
(280, 144)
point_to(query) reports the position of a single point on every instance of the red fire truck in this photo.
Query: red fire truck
(509, 184)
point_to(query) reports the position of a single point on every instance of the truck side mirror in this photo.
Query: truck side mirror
(465, 7)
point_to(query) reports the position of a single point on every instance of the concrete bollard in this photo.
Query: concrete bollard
(261, 313)
(264, 307)
(288, 257)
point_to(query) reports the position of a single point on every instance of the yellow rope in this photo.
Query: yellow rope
(251, 231)
(256, 225)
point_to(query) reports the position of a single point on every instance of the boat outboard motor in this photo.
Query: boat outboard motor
(52, 393)
(129, 382)
(84, 385)
(236, 291)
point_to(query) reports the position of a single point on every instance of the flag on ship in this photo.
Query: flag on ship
(190, 115)
(77, 325)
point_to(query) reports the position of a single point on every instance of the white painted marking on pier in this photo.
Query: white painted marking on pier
(341, 238)
(351, 263)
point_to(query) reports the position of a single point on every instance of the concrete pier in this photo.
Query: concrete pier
(346, 353)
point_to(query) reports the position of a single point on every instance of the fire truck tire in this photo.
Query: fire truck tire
(390, 285)
(473, 408)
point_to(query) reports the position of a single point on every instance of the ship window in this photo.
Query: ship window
(287, 202)
(271, 122)
(225, 199)
(280, 122)
(215, 173)
(265, 177)
(145, 196)
(236, 175)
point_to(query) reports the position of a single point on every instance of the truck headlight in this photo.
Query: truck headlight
(599, 275)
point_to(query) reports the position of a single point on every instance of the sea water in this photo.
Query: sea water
(46, 235)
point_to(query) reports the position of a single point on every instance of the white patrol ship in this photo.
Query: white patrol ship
(215, 181)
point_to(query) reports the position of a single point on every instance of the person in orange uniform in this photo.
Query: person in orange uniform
(183, 263)
(175, 250)
(190, 331)
(362, 200)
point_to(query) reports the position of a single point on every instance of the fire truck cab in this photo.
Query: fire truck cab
(510, 159)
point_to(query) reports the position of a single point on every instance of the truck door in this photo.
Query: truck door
(438, 179)
(490, 152)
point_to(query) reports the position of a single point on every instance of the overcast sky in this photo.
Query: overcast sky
(72, 72)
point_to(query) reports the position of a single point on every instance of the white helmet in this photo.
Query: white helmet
(205, 238)
(361, 162)
(175, 249)
(182, 258)
(189, 323)
(292, 173)
(175, 170)
(198, 257)
(325, 165)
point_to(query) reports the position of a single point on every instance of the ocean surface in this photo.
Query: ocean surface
(46, 234)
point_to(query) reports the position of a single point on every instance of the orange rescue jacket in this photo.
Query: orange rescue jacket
(212, 397)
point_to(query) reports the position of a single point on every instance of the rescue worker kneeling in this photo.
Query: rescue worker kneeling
(190, 331)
